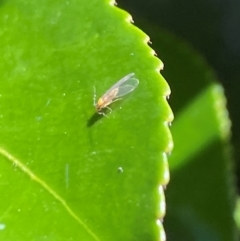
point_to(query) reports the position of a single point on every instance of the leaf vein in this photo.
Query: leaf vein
(34, 177)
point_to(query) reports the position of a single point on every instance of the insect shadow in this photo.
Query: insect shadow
(94, 118)
(105, 113)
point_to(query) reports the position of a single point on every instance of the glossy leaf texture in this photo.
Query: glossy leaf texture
(68, 173)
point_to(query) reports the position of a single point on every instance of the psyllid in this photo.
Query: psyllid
(124, 86)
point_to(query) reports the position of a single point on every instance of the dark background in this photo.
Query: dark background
(212, 27)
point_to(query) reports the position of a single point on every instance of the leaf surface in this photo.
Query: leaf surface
(68, 173)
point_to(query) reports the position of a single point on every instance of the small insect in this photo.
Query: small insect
(124, 86)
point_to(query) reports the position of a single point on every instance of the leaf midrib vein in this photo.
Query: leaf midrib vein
(34, 177)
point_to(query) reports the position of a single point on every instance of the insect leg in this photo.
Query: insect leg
(94, 95)
(116, 100)
(109, 109)
(102, 113)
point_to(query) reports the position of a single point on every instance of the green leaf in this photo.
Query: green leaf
(68, 173)
(237, 213)
(200, 198)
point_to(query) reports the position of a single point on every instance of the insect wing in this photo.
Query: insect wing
(127, 87)
(123, 86)
(121, 81)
